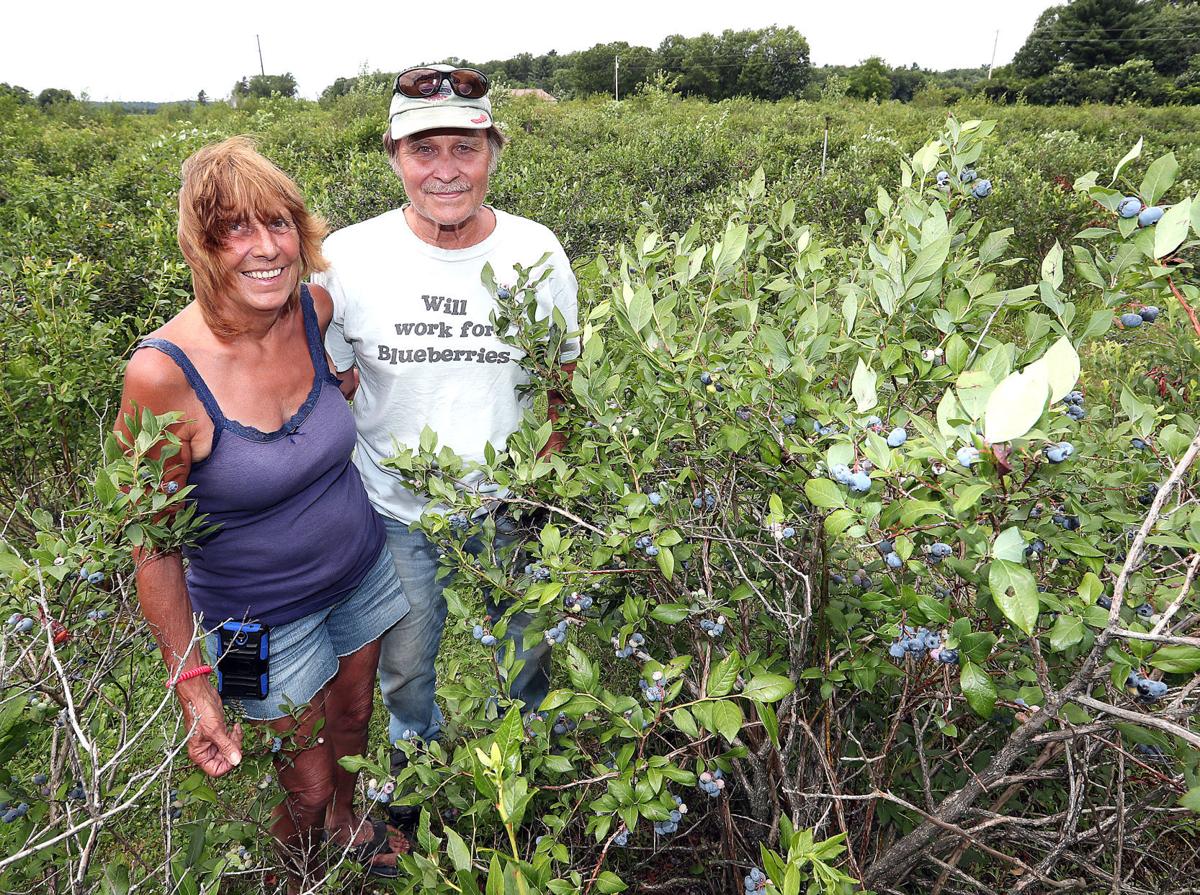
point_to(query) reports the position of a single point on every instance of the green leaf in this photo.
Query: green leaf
(608, 882)
(1067, 631)
(666, 562)
(1191, 799)
(1014, 592)
(768, 688)
(928, 261)
(1172, 228)
(1129, 156)
(1009, 545)
(684, 721)
(823, 493)
(978, 688)
(727, 719)
(640, 309)
(459, 854)
(862, 386)
(968, 496)
(723, 675)
(1177, 659)
(1061, 366)
(1016, 404)
(669, 613)
(1159, 177)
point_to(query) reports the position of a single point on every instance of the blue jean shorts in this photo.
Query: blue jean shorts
(304, 653)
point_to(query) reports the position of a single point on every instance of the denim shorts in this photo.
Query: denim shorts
(304, 653)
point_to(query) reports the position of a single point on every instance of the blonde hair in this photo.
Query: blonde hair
(229, 182)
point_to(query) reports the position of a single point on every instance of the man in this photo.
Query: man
(411, 314)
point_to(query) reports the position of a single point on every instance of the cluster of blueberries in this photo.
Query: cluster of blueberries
(22, 624)
(1147, 215)
(888, 550)
(486, 638)
(711, 783)
(938, 551)
(653, 690)
(824, 430)
(92, 578)
(713, 629)
(1066, 520)
(1147, 496)
(709, 382)
(1145, 611)
(981, 188)
(537, 572)
(174, 808)
(967, 456)
(1132, 319)
(708, 500)
(557, 634)
(857, 481)
(381, 794)
(860, 579)
(1075, 408)
(1035, 548)
(576, 602)
(1139, 444)
(921, 642)
(1145, 689)
(743, 413)
(13, 813)
(667, 827)
(789, 419)
(624, 652)
(563, 724)
(459, 521)
(1057, 453)
(654, 497)
(98, 615)
(646, 544)
(622, 838)
(1151, 752)
(755, 881)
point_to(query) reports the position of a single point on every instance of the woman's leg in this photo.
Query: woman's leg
(305, 768)
(349, 702)
(348, 707)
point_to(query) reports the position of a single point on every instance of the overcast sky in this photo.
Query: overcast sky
(164, 51)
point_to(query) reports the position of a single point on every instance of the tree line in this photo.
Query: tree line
(1110, 51)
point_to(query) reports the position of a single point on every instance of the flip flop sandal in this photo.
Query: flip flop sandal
(378, 845)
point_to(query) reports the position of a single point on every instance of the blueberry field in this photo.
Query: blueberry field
(869, 564)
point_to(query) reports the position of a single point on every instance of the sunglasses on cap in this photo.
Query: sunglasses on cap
(422, 82)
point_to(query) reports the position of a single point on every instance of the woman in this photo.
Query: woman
(266, 438)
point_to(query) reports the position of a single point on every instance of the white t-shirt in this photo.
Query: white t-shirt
(415, 320)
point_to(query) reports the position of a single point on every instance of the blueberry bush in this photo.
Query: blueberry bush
(868, 564)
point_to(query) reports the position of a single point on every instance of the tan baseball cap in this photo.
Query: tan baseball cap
(443, 108)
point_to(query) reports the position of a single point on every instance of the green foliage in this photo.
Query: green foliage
(870, 80)
(870, 292)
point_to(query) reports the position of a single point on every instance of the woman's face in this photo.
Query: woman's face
(262, 259)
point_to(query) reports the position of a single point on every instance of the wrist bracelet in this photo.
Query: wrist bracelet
(198, 671)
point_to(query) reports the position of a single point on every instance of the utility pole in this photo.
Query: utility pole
(617, 78)
(993, 62)
(261, 68)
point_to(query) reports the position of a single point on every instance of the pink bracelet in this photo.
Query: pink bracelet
(189, 674)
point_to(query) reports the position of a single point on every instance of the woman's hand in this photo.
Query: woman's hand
(212, 747)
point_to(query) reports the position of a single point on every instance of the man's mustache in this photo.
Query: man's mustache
(454, 186)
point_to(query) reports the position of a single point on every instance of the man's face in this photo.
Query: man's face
(445, 174)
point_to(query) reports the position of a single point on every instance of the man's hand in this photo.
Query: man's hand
(212, 747)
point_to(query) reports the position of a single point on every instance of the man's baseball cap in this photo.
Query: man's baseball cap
(442, 108)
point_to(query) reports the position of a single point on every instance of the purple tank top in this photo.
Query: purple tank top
(297, 531)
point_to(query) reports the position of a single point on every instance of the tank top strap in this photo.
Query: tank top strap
(312, 332)
(195, 380)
